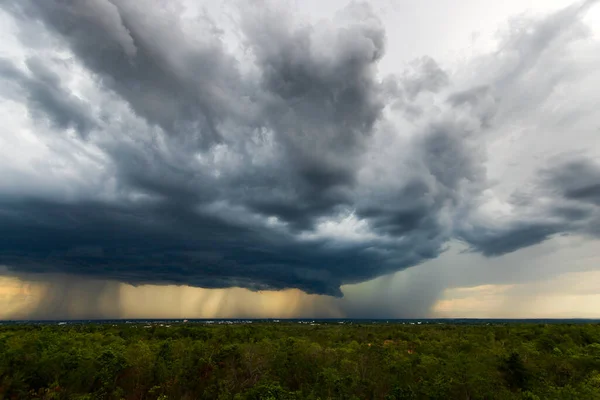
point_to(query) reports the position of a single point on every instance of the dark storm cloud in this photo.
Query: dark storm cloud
(46, 96)
(167, 244)
(564, 200)
(225, 170)
(495, 242)
(577, 180)
(322, 102)
(576, 188)
(181, 85)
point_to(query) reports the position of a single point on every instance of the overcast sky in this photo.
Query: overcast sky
(299, 158)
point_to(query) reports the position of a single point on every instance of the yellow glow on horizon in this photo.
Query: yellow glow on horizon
(190, 302)
(21, 299)
(570, 295)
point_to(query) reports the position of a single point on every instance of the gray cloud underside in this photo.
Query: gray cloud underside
(566, 201)
(222, 167)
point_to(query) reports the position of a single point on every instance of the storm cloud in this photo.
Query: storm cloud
(155, 147)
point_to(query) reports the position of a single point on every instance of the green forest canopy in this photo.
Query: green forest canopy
(293, 361)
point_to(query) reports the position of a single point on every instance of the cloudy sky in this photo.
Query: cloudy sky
(290, 158)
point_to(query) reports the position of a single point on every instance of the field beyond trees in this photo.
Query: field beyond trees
(300, 361)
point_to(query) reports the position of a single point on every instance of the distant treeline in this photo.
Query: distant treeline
(295, 361)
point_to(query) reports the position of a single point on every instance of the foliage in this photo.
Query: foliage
(288, 361)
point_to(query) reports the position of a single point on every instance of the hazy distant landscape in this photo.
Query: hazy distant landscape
(300, 359)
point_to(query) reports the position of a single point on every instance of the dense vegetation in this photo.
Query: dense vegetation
(293, 361)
